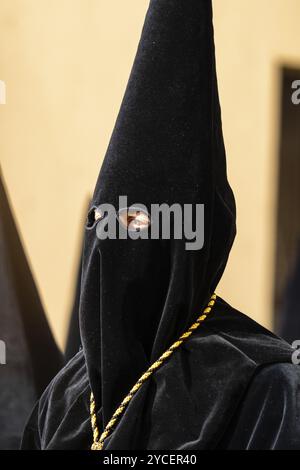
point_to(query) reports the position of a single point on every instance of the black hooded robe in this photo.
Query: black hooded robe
(232, 384)
(32, 356)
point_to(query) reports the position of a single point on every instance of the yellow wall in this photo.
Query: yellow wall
(66, 64)
(253, 38)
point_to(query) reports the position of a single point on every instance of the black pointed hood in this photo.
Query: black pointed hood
(167, 147)
(32, 357)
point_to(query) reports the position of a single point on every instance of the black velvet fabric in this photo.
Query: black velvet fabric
(167, 147)
(32, 357)
(231, 386)
(138, 296)
(73, 337)
(73, 343)
(268, 415)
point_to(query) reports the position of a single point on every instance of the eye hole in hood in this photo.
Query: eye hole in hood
(95, 214)
(134, 219)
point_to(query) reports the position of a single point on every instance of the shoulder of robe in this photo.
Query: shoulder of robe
(276, 386)
(278, 379)
(269, 414)
(68, 384)
(231, 331)
(69, 390)
(72, 378)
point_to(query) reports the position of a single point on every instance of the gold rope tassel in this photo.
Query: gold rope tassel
(99, 442)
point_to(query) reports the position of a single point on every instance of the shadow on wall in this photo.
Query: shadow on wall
(287, 256)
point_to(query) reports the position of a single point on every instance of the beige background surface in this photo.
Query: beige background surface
(66, 63)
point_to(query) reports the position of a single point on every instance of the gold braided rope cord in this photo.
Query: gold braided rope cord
(99, 440)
